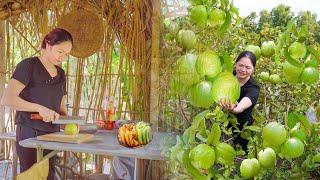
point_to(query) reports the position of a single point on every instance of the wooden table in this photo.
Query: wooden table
(104, 143)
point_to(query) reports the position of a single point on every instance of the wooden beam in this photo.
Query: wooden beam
(2, 78)
(155, 85)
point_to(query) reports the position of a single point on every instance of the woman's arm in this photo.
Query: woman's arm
(11, 98)
(244, 104)
(237, 107)
(63, 106)
(248, 100)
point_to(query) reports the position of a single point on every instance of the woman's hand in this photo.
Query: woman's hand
(227, 105)
(47, 114)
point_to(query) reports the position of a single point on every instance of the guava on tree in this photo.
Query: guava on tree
(200, 94)
(216, 17)
(274, 134)
(310, 75)
(202, 156)
(268, 48)
(199, 15)
(255, 50)
(292, 73)
(208, 64)
(187, 39)
(292, 148)
(226, 85)
(249, 168)
(267, 158)
(264, 76)
(275, 79)
(225, 154)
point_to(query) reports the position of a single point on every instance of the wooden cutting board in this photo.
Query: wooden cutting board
(61, 137)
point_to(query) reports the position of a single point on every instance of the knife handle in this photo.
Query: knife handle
(36, 117)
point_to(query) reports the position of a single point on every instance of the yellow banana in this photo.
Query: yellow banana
(135, 143)
(127, 134)
(122, 135)
(131, 138)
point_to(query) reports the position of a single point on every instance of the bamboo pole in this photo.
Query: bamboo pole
(2, 78)
(154, 73)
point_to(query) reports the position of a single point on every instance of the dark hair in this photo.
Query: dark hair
(56, 36)
(249, 55)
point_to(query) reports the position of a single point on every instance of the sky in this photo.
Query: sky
(248, 6)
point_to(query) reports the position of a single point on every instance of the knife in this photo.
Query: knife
(62, 119)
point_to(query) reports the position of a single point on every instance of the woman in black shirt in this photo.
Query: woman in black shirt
(244, 68)
(38, 85)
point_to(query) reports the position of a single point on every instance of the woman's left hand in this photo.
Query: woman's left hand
(226, 104)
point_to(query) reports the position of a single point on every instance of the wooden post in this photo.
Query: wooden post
(154, 89)
(155, 169)
(158, 170)
(2, 78)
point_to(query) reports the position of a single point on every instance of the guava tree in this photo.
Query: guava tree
(198, 50)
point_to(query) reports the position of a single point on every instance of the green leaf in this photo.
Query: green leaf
(235, 10)
(199, 122)
(201, 138)
(209, 115)
(225, 123)
(177, 150)
(291, 60)
(308, 164)
(291, 27)
(316, 158)
(186, 135)
(215, 134)
(192, 136)
(305, 122)
(292, 119)
(303, 33)
(224, 4)
(228, 62)
(253, 128)
(240, 152)
(226, 23)
(313, 52)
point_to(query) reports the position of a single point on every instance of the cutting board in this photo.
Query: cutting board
(61, 137)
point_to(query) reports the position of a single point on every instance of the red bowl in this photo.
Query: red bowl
(109, 125)
(101, 124)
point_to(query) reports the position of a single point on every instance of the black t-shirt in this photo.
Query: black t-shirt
(251, 90)
(41, 89)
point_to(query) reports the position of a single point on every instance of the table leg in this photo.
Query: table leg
(99, 163)
(39, 154)
(14, 159)
(135, 168)
(64, 170)
(81, 164)
(141, 169)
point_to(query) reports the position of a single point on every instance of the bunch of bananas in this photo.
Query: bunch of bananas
(133, 135)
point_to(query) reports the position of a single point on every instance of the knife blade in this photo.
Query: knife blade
(62, 119)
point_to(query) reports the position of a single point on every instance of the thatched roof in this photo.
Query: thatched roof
(114, 8)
